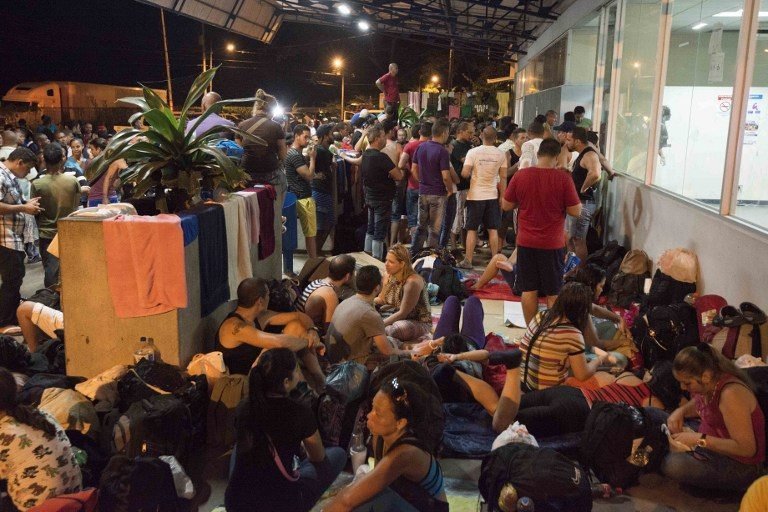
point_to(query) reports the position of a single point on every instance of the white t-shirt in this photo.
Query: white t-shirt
(528, 157)
(485, 162)
(506, 145)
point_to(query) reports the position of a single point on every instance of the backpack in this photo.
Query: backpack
(448, 281)
(429, 417)
(283, 295)
(83, 501)
(759, 376)
(664, 331)
(550, 479)
(227, 393)
(607, 255)
(53, 353)
(159, 425)
(47, 297)
(627, 283)
(667, 290)
(194, 394)
(14, 356)
(147, 379)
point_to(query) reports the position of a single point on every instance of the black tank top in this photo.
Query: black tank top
(239, 359)
(579, 175)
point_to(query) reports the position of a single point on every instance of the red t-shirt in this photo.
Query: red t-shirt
(542, 195)
(410, 150)
(391, 90)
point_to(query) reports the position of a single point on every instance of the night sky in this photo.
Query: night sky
(120, 42)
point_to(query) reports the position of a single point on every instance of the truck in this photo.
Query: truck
(72, 101)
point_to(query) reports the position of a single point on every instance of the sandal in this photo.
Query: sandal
(729, 317)
(752, 314)
(464, 264)
(10, 330)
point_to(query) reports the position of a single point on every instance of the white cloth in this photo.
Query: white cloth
(485, 161)
(528, 152)
(102, 388)
(238, 247)
(47, 319)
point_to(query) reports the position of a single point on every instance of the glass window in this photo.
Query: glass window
(696, 103)
(752, 198)
(634, 85)
(579, 88)
(607, 62)
(540, 81)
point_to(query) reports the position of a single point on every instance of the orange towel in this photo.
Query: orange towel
(145, 264)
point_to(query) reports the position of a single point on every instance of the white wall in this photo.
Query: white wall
(731, 257)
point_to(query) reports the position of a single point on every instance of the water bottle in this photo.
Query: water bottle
(143, 351)
(155, 351)
(357, 449)
(525, 504)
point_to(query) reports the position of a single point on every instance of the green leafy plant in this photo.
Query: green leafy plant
(181, 157)
(407, 116)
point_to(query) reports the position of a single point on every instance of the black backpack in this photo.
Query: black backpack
(550, 479)
(447, 280)
(14, 356)
(607, 255)
(759, 376)
(664, 331)
(47, 297)
(667, 290)
(606, 444)
(147, 379)
(160, 425)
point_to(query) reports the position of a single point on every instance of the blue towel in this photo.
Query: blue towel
(214, 264)
(190, 227)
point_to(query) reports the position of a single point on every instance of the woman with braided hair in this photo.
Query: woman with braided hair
(36, 458)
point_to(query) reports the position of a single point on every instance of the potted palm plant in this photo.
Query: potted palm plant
(168, 154)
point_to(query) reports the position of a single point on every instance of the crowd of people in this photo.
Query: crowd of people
(443, 183)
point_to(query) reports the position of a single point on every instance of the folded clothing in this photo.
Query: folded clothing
(145, 264)
(266, 196)
(238, 245)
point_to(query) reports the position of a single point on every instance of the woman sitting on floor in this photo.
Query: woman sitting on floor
(404, 295)
(36, 458)
(271, 430)
(405, 477)
(729, 447)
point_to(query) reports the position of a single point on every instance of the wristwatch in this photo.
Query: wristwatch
(702, 442)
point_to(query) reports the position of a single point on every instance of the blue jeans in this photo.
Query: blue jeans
(577, 227)
(386, 501)
(448, 218)
(379, 213)
(412, 207)
(431, 213)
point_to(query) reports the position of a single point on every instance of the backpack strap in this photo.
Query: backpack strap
(530, 348)
(291, 477)
(256, 125)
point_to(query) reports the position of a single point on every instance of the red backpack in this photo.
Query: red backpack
(83, 501)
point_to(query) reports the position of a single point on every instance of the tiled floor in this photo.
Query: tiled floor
(654, 494)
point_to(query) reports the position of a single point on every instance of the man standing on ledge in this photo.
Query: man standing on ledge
(388, 85)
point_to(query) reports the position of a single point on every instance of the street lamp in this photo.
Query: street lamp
(230, 47)
(435, 79)
(338, 66)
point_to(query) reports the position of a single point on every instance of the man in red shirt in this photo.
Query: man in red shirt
(388, 85)
(543, 196)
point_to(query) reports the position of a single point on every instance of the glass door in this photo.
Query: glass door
(609, 41)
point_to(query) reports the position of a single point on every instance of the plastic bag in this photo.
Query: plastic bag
(347, 381)
(211, 365)
(515, 433)
(182, 482)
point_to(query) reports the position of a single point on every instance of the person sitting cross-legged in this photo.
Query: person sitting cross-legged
(320, 298)
(242, 338)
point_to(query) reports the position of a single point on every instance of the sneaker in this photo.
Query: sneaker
(465, 264)
(509, 358)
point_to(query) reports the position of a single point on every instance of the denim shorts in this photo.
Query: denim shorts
(399, 204)
(577, 227)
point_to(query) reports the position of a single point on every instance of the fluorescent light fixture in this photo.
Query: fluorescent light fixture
(344, 9)
(738, 14)
(363, 25)
(699, 26)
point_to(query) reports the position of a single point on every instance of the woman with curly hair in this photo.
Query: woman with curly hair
(36, 458)
(404, 298)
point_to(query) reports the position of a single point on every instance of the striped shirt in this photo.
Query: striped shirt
(311, 287)
(548, 362)
(616, 392)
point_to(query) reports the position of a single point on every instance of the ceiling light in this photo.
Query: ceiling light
(363, 25)
(699, 26)
(738, 14)
(344, 9)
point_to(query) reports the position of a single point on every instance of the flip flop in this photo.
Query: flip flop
(729, 317)
(752, 314)
(11, 330)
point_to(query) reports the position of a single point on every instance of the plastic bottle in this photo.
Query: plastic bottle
(143, 351)
(525, 504)
(154, 349)
(357, 449)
